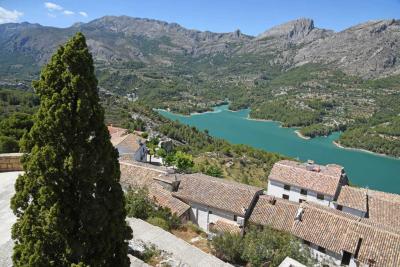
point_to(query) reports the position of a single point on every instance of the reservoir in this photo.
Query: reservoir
(363, 169)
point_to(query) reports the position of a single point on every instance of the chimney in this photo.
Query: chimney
(366, 203)
(175, 184)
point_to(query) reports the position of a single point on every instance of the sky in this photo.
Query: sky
(250, 16)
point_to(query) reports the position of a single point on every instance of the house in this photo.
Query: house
(138, 174)
(334, 237)
(377, 206)
(310, 182)
(215, 202)
(126, 143)
(164, 198)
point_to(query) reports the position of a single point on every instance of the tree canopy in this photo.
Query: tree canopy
(69, 204)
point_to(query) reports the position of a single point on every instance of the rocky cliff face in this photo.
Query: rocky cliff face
(297, 30)
(369, 50)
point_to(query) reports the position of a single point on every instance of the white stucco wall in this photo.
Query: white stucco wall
(329, 257)
(277, 189)
(201, 215)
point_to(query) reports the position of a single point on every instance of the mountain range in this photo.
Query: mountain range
(367, 50)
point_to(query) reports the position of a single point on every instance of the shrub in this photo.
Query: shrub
(214, 171)
(160, 222)
(259, 247)
(271, 246)
(138, 204)
(184, 162)
(228, 247)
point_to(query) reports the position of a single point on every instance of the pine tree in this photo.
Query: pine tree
(69, 203)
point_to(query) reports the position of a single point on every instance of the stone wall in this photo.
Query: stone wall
(10, 162)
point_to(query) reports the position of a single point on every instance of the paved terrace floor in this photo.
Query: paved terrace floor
(7, 218)
(163, 240)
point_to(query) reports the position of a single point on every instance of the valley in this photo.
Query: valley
(363, 169)
(302, 76)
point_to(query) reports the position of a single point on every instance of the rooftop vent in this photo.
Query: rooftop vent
(299, 214)
(311, 166)
(272, 200)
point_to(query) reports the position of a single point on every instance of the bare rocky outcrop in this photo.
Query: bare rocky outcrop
(370, 49)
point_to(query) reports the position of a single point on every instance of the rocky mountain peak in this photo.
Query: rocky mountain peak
(294, 29)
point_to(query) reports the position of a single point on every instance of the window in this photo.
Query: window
(303, 192)
(235, 218)
(321, 249)
(285, 196)
(320, 196)
(286, 187)
(339, 207)
(301, 200)
(210, 212)
(305, 242)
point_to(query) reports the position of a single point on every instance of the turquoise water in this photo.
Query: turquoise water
(363, 169)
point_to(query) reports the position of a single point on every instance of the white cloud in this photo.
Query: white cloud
(68, 12)
(7, 16)
(83, 14)
(51, 6)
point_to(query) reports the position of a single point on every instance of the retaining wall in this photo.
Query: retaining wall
(10, 162)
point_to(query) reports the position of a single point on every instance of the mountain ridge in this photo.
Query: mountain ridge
(369, 49)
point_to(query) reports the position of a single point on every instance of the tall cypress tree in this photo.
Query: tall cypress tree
(69, 203)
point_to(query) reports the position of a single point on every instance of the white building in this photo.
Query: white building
(217, 203)
(310, 182)
(378, 207)
(333, 237)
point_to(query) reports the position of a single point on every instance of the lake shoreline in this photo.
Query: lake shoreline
(363, 150)
(263, 120)
(299, 134)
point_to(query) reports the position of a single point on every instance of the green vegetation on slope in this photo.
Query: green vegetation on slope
(287, 112)
(379, 133)
(16, 117)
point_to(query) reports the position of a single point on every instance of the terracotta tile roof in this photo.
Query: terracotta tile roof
(323, 179)
(128, 144)
(216, 192)
(165, 199)
(377, 246)
(324, 228)
(138, 174)
(353, 198)
(275, 212)
(221, 226)
(113, 129)
(384, 212)
(338, 232)
(332, 229)
(117, 134)
(383, 208)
